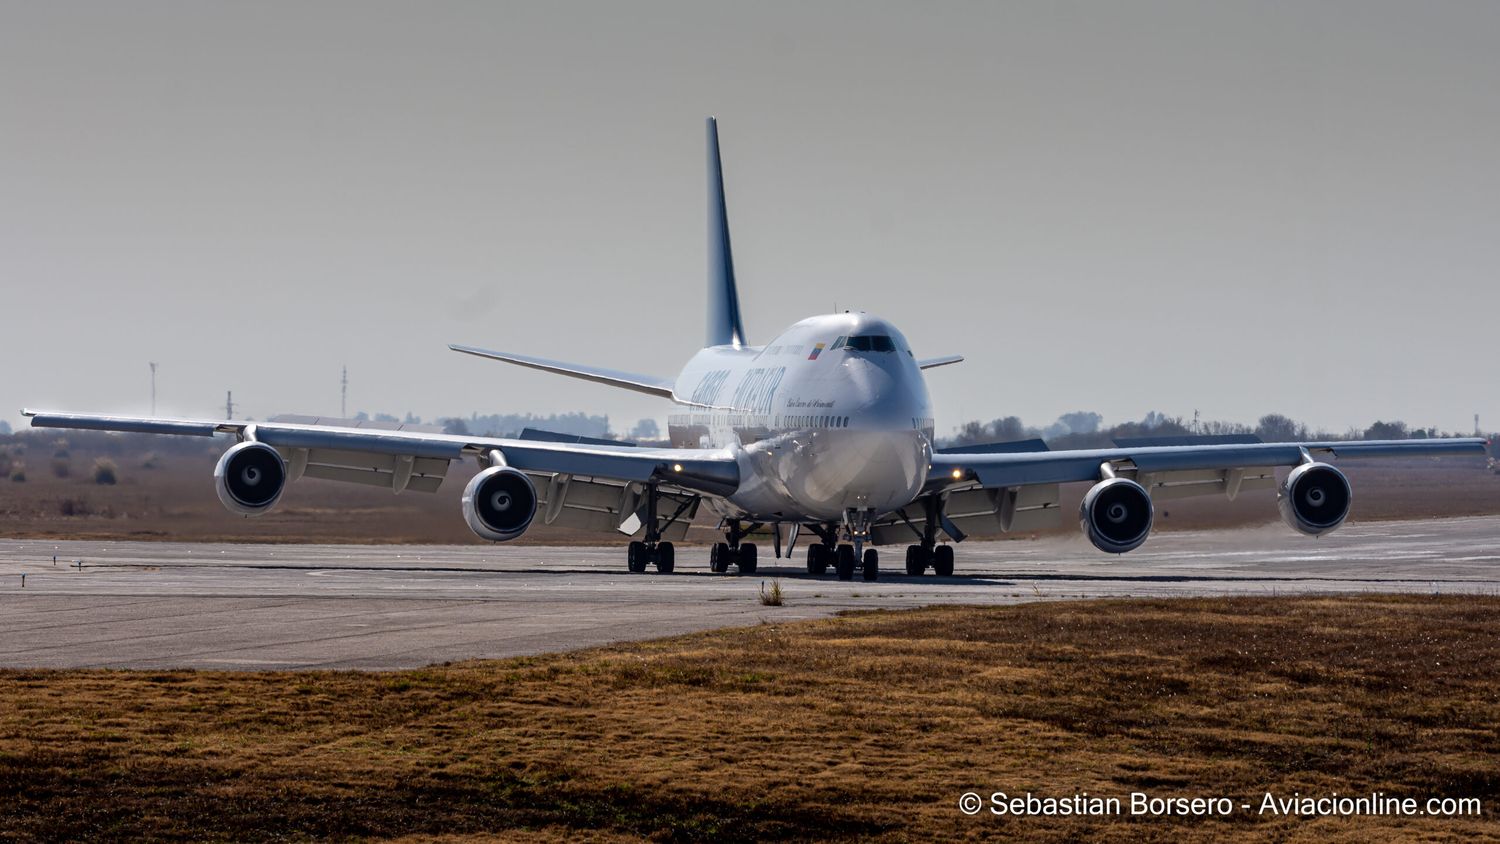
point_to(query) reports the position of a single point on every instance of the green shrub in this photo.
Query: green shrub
(74, 507)
(62, 467)
(105, 471)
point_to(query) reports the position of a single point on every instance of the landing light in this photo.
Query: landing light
(958, 473)
(677, 467)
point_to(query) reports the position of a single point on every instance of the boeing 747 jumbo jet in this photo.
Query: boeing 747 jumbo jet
(826, 429)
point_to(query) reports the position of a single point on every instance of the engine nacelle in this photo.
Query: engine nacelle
(1116, 515)
(1314, 499)
(499, 503)
(250, 477)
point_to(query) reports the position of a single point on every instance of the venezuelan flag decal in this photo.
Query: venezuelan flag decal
(817, 349)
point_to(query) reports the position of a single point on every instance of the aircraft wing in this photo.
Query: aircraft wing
(401, 459)
(985, 492)
(1051, 467)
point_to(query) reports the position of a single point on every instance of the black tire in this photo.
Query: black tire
(942, 561)
(844, 563)
(718, 558)
(635, 557)
(747, 558)
(666, 557)
(872, 564)
(815, 562)
(916, 560)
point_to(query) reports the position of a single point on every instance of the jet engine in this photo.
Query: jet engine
(250, 477)
(499, 503)
(1314, 498)
(1116, 515)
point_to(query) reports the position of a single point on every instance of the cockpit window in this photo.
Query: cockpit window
(871, 343)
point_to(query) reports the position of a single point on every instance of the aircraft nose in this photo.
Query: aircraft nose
(885, 397)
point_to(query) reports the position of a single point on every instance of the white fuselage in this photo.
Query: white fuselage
(831, 416)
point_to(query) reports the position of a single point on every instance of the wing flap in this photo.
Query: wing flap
(394, 472)
(602, 506)
(368, 477)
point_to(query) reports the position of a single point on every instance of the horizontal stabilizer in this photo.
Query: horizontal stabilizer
(943, 360)
(1012, 447)
(647, 384)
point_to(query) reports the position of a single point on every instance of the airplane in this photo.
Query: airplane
(827, 429)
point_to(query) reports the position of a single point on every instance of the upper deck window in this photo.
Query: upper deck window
(871, 343)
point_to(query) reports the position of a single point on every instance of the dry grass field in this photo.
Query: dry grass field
(165, 490)
(867, 726)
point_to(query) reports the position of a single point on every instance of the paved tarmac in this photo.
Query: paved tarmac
(179, 605)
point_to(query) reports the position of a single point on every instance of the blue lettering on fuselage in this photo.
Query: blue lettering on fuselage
(708, 389)
(756, 389)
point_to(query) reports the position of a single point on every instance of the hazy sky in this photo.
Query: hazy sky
(1233, 207)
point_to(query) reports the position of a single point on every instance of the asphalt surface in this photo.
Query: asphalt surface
(179, 605)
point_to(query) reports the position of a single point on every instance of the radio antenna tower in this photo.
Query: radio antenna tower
(153, 388)
(344, 394)
(229, 404)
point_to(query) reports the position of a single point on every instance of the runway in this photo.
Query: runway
(178, 605)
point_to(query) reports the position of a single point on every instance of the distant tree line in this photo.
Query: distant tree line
(1084, 429)
(511, 424)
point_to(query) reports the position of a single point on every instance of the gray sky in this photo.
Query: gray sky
(1235, 207)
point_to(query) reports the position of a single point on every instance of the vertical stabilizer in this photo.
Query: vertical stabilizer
(724, 325)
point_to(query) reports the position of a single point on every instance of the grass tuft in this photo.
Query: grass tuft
(770, 597)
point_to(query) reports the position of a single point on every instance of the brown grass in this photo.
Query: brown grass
(866, 726)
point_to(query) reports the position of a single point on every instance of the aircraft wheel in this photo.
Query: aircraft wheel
(747, 558)
(635, 557)
(818, 559)
(916, 560)
(872, 564)
(942, 561)
(844, 563)
(718, 558)
(666, 557)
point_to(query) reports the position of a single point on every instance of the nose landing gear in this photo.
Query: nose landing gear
(848, 558)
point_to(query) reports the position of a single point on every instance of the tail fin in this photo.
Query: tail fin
(724, 325)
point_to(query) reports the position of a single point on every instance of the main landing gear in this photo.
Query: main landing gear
(740, 554)
(929, 553)
(642, 554)
(919, 557)
(653, 551)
